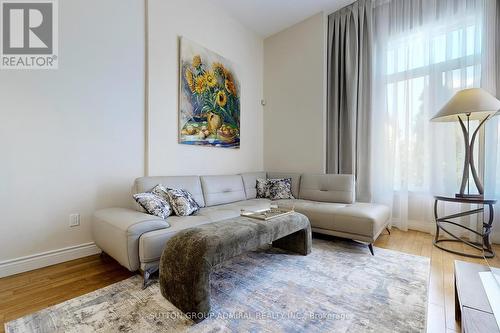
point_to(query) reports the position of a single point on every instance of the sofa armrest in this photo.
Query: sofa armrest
(117, 231)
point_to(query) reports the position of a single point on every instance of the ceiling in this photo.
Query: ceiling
(267, 17)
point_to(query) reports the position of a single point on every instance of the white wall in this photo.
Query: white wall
(208, 25)
(72, 139)
(294, 90)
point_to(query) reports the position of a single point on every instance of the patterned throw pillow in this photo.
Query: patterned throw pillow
(161, 191)
(280, 188)
(262, 188)
(182, 202)
(153, 204)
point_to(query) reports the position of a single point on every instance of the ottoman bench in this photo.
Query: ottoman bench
(188, 257)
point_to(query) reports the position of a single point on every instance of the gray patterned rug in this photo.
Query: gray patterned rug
(339, 287)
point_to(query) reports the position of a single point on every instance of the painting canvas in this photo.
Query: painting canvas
(209, 101)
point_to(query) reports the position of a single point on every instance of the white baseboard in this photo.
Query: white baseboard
(43, 259)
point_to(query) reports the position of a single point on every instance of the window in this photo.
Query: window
(424, 68)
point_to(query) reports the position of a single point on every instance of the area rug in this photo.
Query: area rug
(339, 287)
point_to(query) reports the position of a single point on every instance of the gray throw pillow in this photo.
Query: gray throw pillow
(182, 202)
(280, 188)
(153, 204)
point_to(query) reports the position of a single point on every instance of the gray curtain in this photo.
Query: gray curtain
(349, 94)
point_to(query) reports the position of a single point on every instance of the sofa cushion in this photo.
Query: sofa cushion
(182, 202)
(365, 219)
(327, 188)
(219, 190)
(251, 205)
(161, 191)
(315, 211)
(286, 203)
(295, 180)
(153, 204)
(151, 244)
(222, 212)
(280, 188)
(191, 184)
(250, 183)
(262, 188)
(218, 213)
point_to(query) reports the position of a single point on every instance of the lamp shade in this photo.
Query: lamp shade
(476, 102)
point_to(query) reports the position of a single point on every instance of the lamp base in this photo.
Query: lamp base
(469, 196)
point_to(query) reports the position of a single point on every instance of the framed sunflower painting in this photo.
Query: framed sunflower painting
(209, 101)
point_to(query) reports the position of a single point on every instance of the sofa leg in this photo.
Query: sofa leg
(388, 230)
(147, 277)
(370, 246)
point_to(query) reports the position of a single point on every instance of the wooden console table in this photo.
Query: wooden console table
(471, 303)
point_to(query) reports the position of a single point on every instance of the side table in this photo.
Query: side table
(443, 222)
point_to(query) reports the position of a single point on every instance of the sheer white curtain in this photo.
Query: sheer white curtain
(492, 170)
(425, 51)
(491, 81)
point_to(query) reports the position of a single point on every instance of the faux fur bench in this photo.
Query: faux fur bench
(188, 257)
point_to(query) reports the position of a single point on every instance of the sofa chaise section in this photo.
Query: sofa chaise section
(328, 200)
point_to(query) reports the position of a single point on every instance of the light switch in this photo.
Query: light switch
(74, 220)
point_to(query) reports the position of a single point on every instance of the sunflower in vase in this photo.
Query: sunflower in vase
(214, 97)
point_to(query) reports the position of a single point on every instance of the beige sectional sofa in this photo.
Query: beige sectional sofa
(136, 239)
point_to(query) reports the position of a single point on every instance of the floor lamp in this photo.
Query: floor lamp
(467, 105)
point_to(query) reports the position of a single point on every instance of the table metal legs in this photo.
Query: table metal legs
(485, 245)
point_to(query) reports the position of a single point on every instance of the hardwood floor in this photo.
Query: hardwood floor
(441, 304)
(31, 291)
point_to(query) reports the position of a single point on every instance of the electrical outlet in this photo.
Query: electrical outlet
(74, 220)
